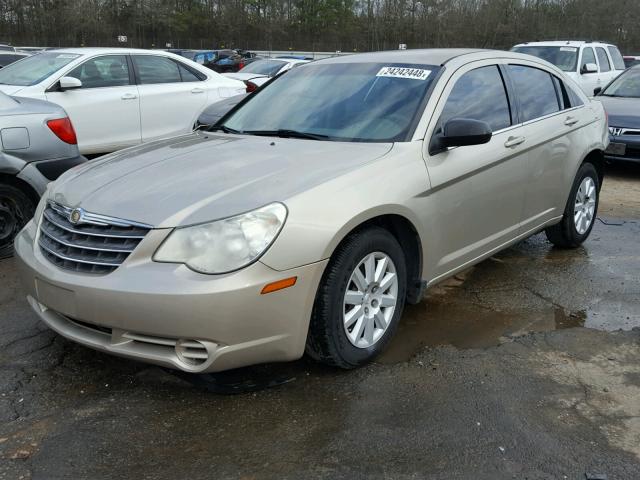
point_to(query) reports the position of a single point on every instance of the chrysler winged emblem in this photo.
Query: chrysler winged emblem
(75, 216)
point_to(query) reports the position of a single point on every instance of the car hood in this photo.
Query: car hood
(203, 176)
(11, 89)
(623, 112)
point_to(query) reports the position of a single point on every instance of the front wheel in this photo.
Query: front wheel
(359, 301)
(580, 211)
(16, 209)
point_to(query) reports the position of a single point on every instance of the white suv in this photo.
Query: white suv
(589, 64)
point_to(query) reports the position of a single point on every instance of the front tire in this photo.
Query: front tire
(580, 211)
(16, 209)
(360, 300)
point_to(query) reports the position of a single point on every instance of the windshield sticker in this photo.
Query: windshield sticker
(404, 72)
(568, 49)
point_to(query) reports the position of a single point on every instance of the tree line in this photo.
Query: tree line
(316, 25)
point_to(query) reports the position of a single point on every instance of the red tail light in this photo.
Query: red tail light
(240, 65)
(251, 87)
(63, 129)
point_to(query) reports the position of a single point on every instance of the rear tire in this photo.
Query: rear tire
(16, 209)
(580, 211)
(360, 300)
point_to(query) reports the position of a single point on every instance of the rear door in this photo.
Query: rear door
(171, 96)
(477, 190)
(105, 112)
(607, 73)
(551, 125)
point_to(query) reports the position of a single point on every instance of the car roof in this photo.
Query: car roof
(563, 43)
(427, 56)
(96, 50)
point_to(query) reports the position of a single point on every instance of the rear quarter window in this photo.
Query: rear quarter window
(616, 56)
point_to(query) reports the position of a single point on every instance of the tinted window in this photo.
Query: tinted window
(479, 95)
(536, 92)
(616, 56)
(188, 75)
(569, 98)
(605, 66)
(155, 69)
(7, 59)
(588, 57)
(107, 71)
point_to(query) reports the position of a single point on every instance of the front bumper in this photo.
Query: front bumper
(632, 143)
(167, 314)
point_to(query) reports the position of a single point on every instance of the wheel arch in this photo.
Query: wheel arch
(405, 232)
(596, 158)
(22, 185)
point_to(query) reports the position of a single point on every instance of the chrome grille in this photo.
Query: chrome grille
(93, 244)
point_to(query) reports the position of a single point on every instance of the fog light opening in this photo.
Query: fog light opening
(191, 352)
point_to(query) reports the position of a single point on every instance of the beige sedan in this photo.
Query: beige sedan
(315, 209)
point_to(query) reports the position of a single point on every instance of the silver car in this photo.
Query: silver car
(37, 144)
(316, 210)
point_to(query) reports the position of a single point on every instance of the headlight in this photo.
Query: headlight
(224, 245)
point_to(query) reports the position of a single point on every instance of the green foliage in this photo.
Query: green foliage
(328, 25)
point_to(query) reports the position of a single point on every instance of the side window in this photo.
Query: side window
(479, 95)
(107, 71)
(536, 92)
(569, 98)
(603, 59)
(587, 57)
(616, 56)
(155, 69)
(188, 75)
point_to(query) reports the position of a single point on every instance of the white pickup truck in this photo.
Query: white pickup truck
(589, 64)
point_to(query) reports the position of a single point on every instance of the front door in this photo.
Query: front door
(477, 191)
(105, 111)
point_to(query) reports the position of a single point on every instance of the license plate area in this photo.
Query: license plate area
(56, 298)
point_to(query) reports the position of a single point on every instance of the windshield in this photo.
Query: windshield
(626, 85)
(371, 102)
(264, 67)
(33, 70)
(565, 58)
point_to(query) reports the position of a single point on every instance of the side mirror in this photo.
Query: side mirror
(460, 132)
(69, 83)
(596, 91)
(589, 68)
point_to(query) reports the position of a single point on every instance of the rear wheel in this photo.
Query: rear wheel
(359, 301)
(16, 209)
(580, 211)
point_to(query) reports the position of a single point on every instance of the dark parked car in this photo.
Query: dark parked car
(621, 100)
(216, 111)
(38, 143)
(631, 61)
(9, 57)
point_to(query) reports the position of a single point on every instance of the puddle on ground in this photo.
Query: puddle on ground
(435, 323)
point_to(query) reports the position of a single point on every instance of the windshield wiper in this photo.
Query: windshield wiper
(284, 133)
(224, 128)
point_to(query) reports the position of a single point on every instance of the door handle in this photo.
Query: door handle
(197, 90)
(571, 121)
(129, 96)
(514, 141)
